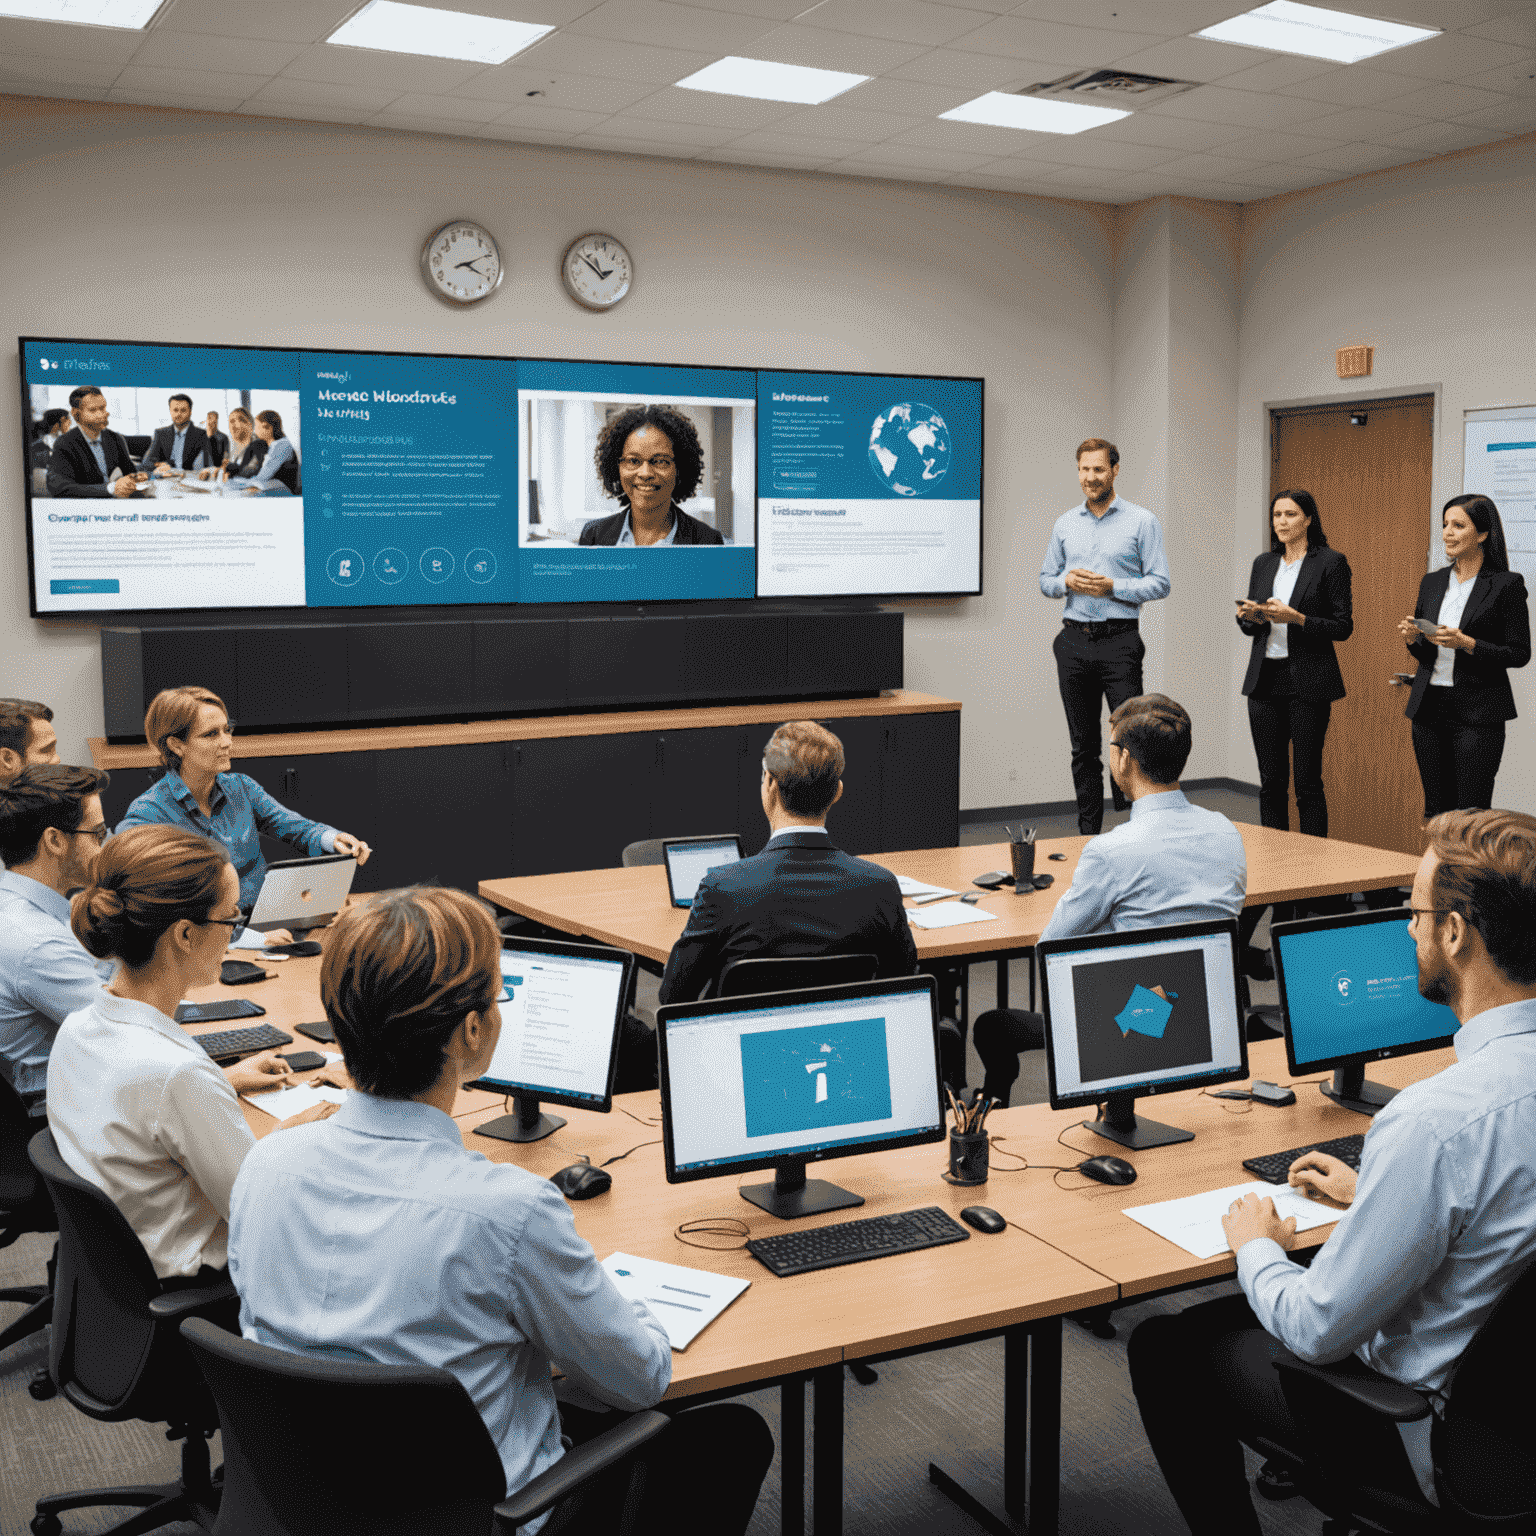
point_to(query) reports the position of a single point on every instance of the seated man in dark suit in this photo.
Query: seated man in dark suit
(178, 446)
(87, 456)
(800, 895)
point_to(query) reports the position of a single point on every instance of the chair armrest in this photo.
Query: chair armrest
(175, 1305)
(1360, 1384)
(577, 1466)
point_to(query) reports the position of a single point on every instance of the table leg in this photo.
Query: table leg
(792, 1457)
(827, 1452)
(1031, 981)
(1044, 1429)
(1002, 983)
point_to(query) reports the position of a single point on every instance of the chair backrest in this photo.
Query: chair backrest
(1485, 1471)
(103, 1335)
(792, 973)
(21, 1190)
(646, 851)
(324, 1447)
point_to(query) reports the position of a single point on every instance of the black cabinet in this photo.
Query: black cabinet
(336, 788)
(920, 785)
(444, 815)
(695, 784)
(576, 801)
(126, 787)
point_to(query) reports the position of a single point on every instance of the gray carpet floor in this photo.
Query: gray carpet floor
(944, 1407)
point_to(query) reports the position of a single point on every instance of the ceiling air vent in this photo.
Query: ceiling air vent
(1106, 86)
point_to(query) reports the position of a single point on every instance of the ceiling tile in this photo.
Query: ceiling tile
(974, 72)
(181, 101)
(419, 122)
(1216, 104)
(1367, 123)
(819, 49)
(730, 156)
(1451, 56)
(653, 131)
(1081, 47)
(1287, 178)
(1278, 74)
(303, 112)
(1166, 18)
(630, 146)
(1356, 86)
(9, 86)
(517, 133)
(843, 122)
(1170, 132)
(548, 13)
(577, 93)
(199, 84)
(282, 21)
(26, 67)
(919, 159)
(554, 120)
(454, 108)
(169, 49)
(716, 111)
(1213, 167)
(566, 53)
(1442, 101)
(50, 40)
(773, 10)
(1280, 146)
(1519, 29)
(1354, 158)
(388, 71)
(1089, 149)
(1508, 80)
(978, 139)
(365, 101)
(795, 146)
(1442, 138)
(1190, 58)
(904, 96)
(1453, 15)
(983, 182)
(1515, 117)
(1085, 176)
(872, 171)
(658, 24)
(903, 21)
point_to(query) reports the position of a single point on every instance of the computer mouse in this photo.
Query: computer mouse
(983, 1218)
(1108, 1170)
(581, 1181)
(1060, 858)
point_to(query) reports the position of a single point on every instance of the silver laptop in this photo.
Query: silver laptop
(303, 893)
(689, 859)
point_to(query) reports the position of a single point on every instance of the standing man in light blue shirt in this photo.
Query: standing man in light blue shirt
(1106, 558)
(1441, 1218)
(50, 828)
(1172, 862)
(376, 1235)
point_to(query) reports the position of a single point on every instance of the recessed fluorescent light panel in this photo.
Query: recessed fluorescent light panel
(771, 82)
(1286, 27)
(999, 109)
(85, 13)
(396, 28)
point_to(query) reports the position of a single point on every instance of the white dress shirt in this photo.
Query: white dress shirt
(142, 1111)
(1452, 606)
(1279, 647)
(1443, 1220)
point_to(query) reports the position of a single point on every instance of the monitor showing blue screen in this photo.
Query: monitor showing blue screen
(1350, 991)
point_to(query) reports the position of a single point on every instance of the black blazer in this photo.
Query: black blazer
(800, 896)
(160, 445)
(690, 530)
(249, 460)
(72, 470)
(1496, 617)
(1323, 594)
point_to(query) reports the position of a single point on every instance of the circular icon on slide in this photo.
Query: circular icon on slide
(436, 564)
(1344, 985)
(909, 449)
(480, 566)
(390, 565)
(345, 567)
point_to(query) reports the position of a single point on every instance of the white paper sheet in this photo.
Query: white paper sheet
(685, 1301)
(911, 887)
(948, 914)
(1194, 1223)
(284, 1102)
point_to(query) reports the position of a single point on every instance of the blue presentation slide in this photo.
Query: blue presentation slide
(802, 1079)
(1350, 991)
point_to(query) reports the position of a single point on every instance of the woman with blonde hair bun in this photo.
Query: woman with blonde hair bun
(135, 1104)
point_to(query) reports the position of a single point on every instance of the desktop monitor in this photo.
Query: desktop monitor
(781, 1079)
(689, 859)
(561, 1007)
(1152, 1010)
(1349, 994)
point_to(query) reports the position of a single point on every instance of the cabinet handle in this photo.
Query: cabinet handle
(290, 782)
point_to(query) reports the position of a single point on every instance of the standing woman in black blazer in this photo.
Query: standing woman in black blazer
(1299, 603)
(1461, 696)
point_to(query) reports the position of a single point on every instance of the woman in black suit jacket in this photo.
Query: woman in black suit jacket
(1299, 603)
(1461, 696)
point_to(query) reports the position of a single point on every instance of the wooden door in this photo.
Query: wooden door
(1373, 484)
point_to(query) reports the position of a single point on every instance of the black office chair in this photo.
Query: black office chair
(649, 850)
(1485, 1475)
(24, 1207)
(794, 972)
(116, 1353)
(306, 1439)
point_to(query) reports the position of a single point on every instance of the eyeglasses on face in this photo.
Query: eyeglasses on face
(237, 921)
(101, 831)
(661, 463)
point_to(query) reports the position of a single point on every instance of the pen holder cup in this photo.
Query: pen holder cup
(968, 1157)
(1023, 867)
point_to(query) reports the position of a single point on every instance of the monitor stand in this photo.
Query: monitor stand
(526, 1123)
(1349, 1090)
(1121, 1125)
(792, 1194)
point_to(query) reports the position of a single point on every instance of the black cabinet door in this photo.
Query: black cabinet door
(920, 804)
(855, 822)
(126, 787)
(695, 785)
(444, 815)
(337, 788)
(578, 800)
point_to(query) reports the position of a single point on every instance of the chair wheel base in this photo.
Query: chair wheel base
(1275, 1483)
(46, 1525)
(865, 1375)
(41, 1388)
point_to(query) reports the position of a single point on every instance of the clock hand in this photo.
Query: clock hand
(594, 266)
(471, 265)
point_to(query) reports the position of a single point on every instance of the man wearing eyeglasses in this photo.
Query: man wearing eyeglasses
(50, 828)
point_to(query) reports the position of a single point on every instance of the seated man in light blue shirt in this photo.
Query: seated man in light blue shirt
(1442, 1215)
(1172, 862)
(50, 828)
(375, 1235)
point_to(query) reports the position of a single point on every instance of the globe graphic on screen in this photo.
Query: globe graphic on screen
(909, 449)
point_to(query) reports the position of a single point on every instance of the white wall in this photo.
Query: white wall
(154, 225)
(1430, 263)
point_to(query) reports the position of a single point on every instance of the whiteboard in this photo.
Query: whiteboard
(1500, 463)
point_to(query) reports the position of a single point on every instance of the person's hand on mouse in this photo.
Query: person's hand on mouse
(268, 1070)
(309, 1116)
(1252, 1217)
(276, 936)
(1318, 1173)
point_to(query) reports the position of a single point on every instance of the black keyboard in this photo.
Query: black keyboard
(242, 1042)
(1276, 1165)
(850, 1242)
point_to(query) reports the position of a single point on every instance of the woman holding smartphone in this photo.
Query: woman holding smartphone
(1468, 628)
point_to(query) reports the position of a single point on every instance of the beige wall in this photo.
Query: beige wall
(184, 227)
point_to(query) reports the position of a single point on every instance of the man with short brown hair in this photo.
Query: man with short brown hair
(1106, 558)
(27, 737)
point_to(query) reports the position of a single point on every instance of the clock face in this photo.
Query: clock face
(597, 271)
(461, 263)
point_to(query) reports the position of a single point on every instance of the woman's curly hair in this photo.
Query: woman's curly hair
(686, 449)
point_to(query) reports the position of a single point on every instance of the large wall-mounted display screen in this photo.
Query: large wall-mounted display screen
(235, 478)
